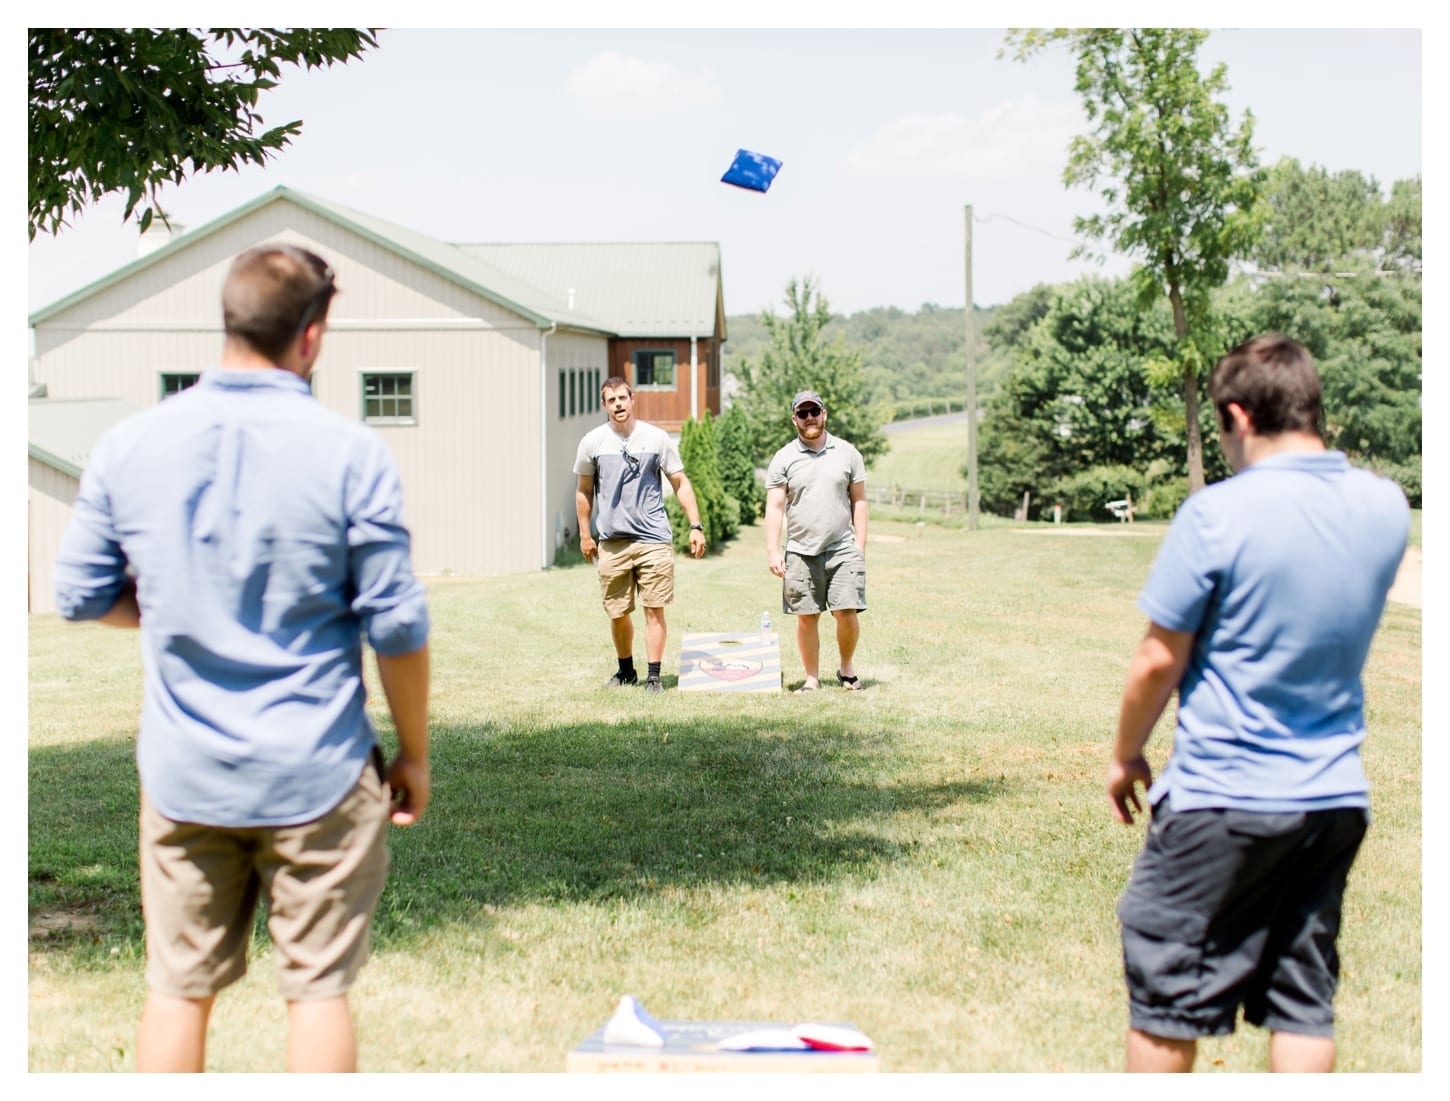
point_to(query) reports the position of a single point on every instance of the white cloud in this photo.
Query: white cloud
(1013, 137)
(614, 83)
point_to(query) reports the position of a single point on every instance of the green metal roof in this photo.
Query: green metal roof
(637, 288)
(469, 272)
(476, 274)
(63, 430)
(620, 289)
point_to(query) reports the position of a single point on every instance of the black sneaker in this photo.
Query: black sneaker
(621, 680)
(652, 685)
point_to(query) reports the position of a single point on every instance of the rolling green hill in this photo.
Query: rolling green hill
(907, 356)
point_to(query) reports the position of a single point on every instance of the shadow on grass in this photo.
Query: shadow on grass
(82, 842)
(575, 812)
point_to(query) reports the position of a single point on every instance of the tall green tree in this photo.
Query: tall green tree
(719, 513)
(1080, 394)
(737, 464)
(1317, 221)
(1365, 333)
(128, 110)
(799, 357)
(1403, 242)
(1181, 184)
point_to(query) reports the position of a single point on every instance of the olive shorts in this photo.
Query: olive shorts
(834, 581)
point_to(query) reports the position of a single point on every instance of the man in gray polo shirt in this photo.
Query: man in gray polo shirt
(815, 487)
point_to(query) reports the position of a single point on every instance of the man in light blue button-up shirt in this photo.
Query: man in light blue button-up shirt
(256, 538)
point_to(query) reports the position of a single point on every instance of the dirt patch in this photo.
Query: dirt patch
(1070, 529)
(1406, 589)
(50, 923)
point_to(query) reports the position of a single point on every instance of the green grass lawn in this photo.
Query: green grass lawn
(932, 859)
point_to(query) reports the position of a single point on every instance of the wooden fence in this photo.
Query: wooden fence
(936, 501)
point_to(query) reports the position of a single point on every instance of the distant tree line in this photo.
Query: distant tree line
(913, 362)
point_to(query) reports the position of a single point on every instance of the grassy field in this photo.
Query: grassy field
(932, 456)
(932, 859)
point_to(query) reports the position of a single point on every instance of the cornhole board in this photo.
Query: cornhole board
(743, 661)
(691, 1047)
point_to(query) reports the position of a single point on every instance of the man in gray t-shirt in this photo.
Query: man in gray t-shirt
(815, 487)
(620, 464)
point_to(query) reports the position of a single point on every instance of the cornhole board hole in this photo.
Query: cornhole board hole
(747, 661)
(693, 1047)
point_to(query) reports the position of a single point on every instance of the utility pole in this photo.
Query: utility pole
(972, 494)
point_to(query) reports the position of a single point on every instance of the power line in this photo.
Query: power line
(1257, 274)
(1251, 274)
(1034, 229)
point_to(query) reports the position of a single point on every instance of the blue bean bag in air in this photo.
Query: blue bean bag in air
(752, 171)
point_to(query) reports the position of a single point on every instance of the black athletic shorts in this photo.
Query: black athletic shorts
(1230, 908)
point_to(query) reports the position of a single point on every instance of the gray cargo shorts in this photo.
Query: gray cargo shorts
(834, 581)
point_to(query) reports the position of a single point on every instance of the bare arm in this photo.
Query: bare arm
(685, 494)
(774, 521)
(858, 514)
(1156, 670)
(583, 510)
(405, 684)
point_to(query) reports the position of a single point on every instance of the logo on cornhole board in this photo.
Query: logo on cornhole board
(730, 670)
(730, 662)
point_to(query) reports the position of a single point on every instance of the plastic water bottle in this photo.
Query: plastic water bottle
(765, 621)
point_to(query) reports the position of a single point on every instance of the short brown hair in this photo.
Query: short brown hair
(614, 382)
(1274, 380)
(272, 293)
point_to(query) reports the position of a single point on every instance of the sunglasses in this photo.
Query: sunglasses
(806, 412)
(322, 296)
(629, 460)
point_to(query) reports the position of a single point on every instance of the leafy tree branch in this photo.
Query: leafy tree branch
(129, 110)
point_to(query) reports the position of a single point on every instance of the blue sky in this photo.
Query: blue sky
(885, 136)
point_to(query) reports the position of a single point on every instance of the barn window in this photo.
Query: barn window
(176, 383)
(654, 370)
(388, 398)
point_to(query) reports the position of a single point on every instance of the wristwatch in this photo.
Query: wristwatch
(697, 527)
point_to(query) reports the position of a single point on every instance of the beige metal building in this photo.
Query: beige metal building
(480, 365)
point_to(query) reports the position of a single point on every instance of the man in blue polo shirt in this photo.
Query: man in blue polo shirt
(255, 537)
(1262, 603)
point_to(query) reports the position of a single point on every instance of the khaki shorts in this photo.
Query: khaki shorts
(627, 564)
(322, 879)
